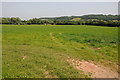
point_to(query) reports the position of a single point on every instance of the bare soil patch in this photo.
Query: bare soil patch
(96, 71)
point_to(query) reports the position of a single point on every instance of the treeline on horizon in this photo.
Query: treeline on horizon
(98, 20)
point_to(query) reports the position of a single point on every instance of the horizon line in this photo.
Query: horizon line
(55, 16)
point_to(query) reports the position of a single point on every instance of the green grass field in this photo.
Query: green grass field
(39, 51)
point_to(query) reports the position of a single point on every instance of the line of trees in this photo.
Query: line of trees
(99, 20)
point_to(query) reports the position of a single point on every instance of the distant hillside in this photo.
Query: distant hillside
(99, 17)
(99, 20)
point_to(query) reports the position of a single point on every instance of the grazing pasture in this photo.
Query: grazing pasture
(46, 51)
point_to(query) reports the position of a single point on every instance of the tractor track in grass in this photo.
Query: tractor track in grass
(52, 36)
(89, 68)
(95, 71)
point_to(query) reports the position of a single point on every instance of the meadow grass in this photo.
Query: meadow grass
(39, 51)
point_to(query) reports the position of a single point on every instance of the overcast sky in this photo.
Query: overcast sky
(60, 0)
(27, 10)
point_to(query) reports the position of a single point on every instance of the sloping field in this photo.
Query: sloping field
(59, 51)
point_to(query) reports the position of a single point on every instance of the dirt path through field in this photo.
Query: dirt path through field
(95, 70)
